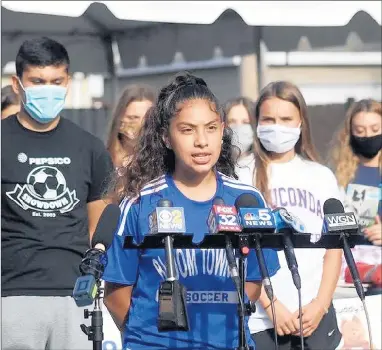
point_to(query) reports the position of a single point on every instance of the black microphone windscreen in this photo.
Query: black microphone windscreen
(107, 225)
(218, 201)
(333, 206)
(164, 203)
(247, 200)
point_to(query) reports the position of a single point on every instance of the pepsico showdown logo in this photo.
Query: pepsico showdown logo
(45, 192)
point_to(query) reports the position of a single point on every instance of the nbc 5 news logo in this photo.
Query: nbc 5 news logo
(258, 217)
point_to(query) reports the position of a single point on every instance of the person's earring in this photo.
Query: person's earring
(222, 141)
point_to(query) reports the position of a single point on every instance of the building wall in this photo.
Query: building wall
(329, 85)
(224, 82)
(319, 75)
(320, 84)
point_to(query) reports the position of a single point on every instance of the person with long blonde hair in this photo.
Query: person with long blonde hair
(284, 167)
(357, 160)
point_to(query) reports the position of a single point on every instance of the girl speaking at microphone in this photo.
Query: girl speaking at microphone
(285, 169)
(184, 154)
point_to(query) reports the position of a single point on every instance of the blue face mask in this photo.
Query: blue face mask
(44, 102)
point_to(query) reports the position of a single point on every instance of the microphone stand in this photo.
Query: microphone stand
(250, 307)
(172, 296)
(95, 332)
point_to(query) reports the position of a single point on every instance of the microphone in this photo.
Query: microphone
(254, 220)
(167, 220)
(223, 219)
(94, 262)
(286, 224)
(336, 220)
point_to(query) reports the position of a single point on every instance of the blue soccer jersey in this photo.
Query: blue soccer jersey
(211, 294)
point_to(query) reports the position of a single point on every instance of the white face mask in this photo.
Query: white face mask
(278, 138)
(242, 136)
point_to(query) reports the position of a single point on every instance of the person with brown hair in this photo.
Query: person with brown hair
(10, 102)
(356, 158)
(128, 117)
(284, 167)
(239, 113)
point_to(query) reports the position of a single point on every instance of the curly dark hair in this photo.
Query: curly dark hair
(151, 156)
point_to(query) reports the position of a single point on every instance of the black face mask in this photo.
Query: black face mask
(367, 147)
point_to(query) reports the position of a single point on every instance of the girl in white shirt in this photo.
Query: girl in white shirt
(284, 167)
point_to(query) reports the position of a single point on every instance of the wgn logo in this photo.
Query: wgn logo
(346, 221)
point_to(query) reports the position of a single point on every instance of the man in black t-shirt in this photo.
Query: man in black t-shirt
(52, 178)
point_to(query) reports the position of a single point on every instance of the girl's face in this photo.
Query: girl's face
(195, 135)
(277, 111)
(237, 115)
(366, 124)
(132, 120)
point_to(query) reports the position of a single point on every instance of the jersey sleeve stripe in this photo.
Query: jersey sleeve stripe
(124, 214)
(155, 182)
(240, 186)
(247, 188)
(229, 179)
(153, 190)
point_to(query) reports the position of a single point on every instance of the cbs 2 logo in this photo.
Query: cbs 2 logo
(228, 219)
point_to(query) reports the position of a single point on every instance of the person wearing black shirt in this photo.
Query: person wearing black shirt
(52, 178)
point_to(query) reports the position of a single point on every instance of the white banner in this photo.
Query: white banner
(352, 322)
(350, 316)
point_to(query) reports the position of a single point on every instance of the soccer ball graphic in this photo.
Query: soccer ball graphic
(46, 182)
